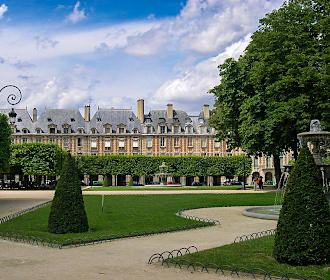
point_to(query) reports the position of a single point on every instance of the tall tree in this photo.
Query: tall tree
(5, 133)
(283, 81)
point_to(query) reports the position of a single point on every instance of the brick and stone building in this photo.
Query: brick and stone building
(169, 132)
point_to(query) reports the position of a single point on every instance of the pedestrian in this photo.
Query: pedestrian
(256, 183)
(261, 184)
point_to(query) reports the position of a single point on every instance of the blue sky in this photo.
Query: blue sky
(65, 54)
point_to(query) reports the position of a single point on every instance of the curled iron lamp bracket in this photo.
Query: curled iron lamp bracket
(13, 97)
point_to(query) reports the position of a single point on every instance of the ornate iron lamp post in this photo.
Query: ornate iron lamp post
(13, 99)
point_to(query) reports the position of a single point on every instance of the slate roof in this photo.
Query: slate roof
(23, 119)
(60, 117)
(115, 117)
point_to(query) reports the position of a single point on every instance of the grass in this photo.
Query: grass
(123, 213)
(256, 253)
(143, 188)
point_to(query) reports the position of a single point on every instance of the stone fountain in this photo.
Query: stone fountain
(318, 141)
(162, 175)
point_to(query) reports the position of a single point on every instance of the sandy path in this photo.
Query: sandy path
(120, 259)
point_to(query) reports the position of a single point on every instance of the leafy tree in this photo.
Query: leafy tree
(303, 229)
(280, 83)
(5, 133)
(68, 211)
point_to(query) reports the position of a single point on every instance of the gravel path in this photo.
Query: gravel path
(122, 259)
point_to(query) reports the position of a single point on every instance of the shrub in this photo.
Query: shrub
(68, 211)
(105, 181)
(303, 229)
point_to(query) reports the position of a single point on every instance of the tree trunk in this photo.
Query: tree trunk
(277, 167)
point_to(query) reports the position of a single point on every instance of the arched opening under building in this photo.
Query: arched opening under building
(189, 180)
(269, 177)
(121, 180)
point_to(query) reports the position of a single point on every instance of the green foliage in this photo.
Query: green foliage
(68, 211)
(138, 165)
(303, 229)
(5, 133)
(130, 182)
(105, 181)
(36, 159)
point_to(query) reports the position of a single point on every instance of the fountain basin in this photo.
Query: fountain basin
(263, 212)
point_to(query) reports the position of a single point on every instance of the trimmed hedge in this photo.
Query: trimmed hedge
(139, 165)
(5, 133)
(67, 212)
(303, 229)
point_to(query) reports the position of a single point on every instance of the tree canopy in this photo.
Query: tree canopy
(5, 133)
(279, 84)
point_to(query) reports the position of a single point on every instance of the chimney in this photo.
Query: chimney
(34, 114)
(87, 113)
(140, 110)
(170, 111)
(206, 111)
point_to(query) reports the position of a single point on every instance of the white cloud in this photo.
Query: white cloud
(203, 26)
(3, 9)
(76, 15)
(192, 86)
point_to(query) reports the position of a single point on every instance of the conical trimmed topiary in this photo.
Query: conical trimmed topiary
(68, 211)
(105, 181)
(303, 229)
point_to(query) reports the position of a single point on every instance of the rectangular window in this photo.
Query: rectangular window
(203, 140)
(121, 130)
(107, 143)
(162, 129)
(190, 142)
(203, 154)
(189, 129)
(176, 142)
(216, 144)
(176, 154)
(24, 140)
(121, 144)
(176, 129)
(149, 129)
(256, 162)
(203, 130)
(66, 142)
(216, 154)
(79, 142)
(268, 162)
(52, 140)
(149, 142)
(163, 142)
(107, 130)
(93, 144)
(135, 143)
(66, 130)
(38, 139)
(52, 130)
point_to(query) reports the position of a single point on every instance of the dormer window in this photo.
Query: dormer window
(162, 129)
(149, 129)
(66, 129)
(176, 129)
(135, 131)
(52, 130)
(38, 130)
(201, 120)
(189, 129)
(121, 130)
(80, 130)
(25, 130)
(49, 120)
(161, 120)
(148, 120)
(203, 130)
(107, 128)
(94, 130)
(98, 119)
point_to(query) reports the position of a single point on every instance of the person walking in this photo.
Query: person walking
(261, 184)
(255, 182)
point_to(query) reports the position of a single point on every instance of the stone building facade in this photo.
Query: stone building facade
(119, 131)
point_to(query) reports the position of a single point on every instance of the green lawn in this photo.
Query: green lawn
(256, 253)
(128, 213)
(143, 188)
